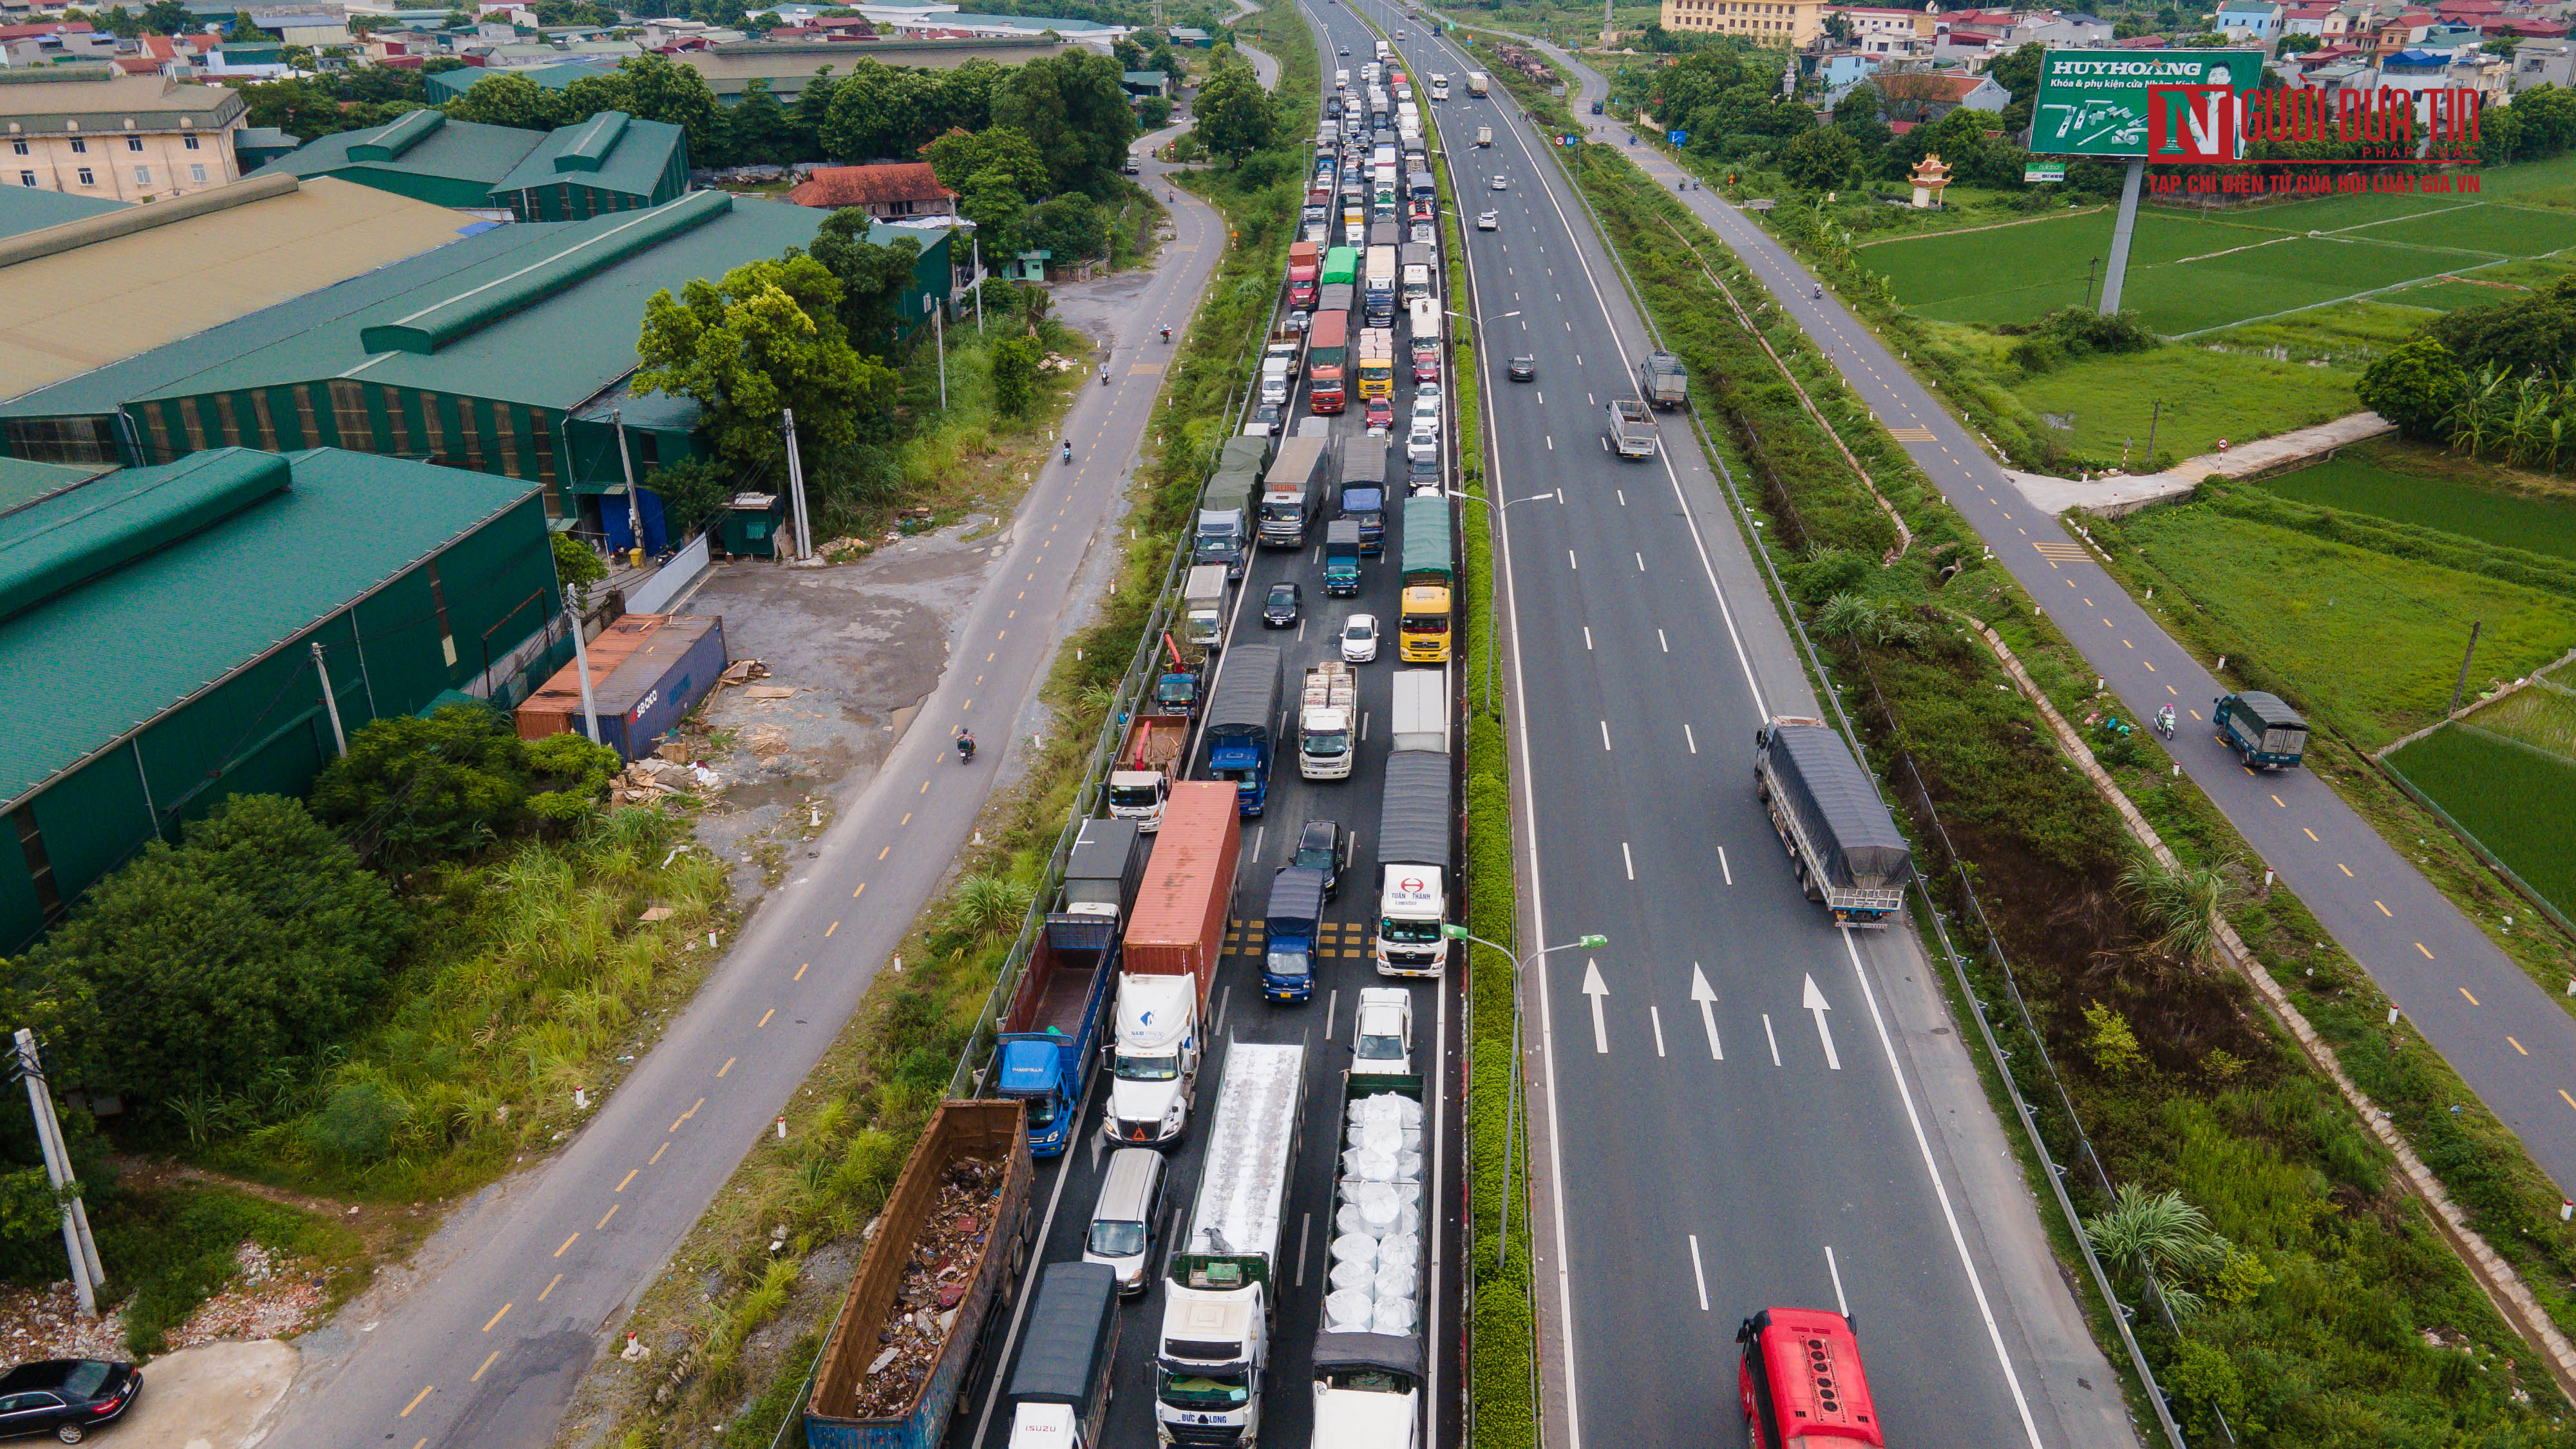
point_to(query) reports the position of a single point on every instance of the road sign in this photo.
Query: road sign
(1678, 138)
(2142, 103)
(2033, 172)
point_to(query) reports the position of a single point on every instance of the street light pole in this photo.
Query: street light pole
(1512, 1090)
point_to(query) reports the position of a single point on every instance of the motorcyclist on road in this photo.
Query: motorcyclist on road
(1819, 293)
(1167, 333)
(1068, 450)
(965, 746)
(1104, 374)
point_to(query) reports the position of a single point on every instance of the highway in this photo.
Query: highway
(1067, 1186)
(1738, 1104)
(2508, 1038)
(484, 1350)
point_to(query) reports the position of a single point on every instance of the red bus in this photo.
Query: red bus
(1802, 1384)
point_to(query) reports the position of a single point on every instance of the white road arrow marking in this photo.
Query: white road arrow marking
(1707, 999)
(1596, 988)
(1816, 1003)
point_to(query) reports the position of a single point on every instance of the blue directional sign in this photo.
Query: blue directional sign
(1678, 138)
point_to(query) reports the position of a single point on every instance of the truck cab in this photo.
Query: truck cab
(1220, 540)
(1422, 624)
(1207, 1378)
(1411, 906)
(1365, 505)
(1342, 558)
(1154, 1060)
(1289, 930)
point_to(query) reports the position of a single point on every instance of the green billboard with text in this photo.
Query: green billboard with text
(2098, 102)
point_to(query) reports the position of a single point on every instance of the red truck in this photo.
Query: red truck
(1328, 352)
(1173, 941)
(1305, 266)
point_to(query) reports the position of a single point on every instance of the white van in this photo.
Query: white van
(1125, 1217)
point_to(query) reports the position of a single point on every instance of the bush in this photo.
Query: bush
(451, 784)
(2072, 334)
(2414, 385)
(259, 938)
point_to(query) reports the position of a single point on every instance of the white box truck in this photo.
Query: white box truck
(1327, 718)
(1422, 710)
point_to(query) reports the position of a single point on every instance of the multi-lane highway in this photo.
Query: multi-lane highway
(2513, 1044)
(1738, 1105)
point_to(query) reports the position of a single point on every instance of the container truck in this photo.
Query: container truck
(1342, 558)
(1475, 82)
(1336, 297)
(1425, 323)
(1341, 265)
(1364, 492)
(1203, 605)
(1242, 717)
(1385, 234)
(1370, 1359)
(1420, 716)
(1422, 617)
(1292, 492)
(1104, 869)
(1288, 931)
(1327, 356)
(1059, 1390)
(1631, 429)
(1327, 719)
(1170, 952)
(1220, 1298)
(1663, 380)
(1140, 779)
(1377, 289)
(2261, 728)
(901, 1348)
(1377, 362)
(1414, 816)
(1484, 134)
(1840, 838)
(1050, 1034)
(1306, 263)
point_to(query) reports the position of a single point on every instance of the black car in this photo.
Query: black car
(65, 1397)
(1323, 845)
(1523, 369)
(1279, 610)
(1422, 473)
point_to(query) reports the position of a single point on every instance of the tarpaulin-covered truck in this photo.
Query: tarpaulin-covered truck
(1370, 1353)
(2261, 728)
(1059, 1390)
(1838, 832)
(943, 1264)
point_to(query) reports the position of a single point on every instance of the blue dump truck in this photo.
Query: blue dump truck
(1242, 724)
(1845, 845)
(1059, 1390)
(1051, 1034)
(1342, 558)
(1363, 499)
(1288, 931)
(2261, 728)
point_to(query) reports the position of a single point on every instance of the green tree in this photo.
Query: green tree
(2536, 334)
(2302, 44)
(693, 491)
(120, 22)
(1861, 103)
(1236, 116)
(2415, 385)
(758, 131)
(1015, 376)
(1073, 109)
(871, 277)
(652, 88)
(510, 98)
(2019, 71)
(1070, 226)
(877, 113)
(260, 937)
(958, 157)
(168, 17)
(242, 27)
(1820, 160)
(576, 569)
(766, 337)
(996, 206)
(418, 789)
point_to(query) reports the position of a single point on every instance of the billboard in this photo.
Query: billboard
(2164, 105)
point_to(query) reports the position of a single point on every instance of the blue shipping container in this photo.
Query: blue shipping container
(660, 682)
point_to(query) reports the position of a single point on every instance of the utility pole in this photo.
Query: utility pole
(634, 503)
(339, 736)
(581, 666)
(975, 264)
(2089, 268)
(939, 335)
(2462, 686)
(2152, 419)
(796, 485)
(87, 1274)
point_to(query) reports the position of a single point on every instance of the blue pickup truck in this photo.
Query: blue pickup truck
(1289, 928)
(1051, 1035)
(2261, 728)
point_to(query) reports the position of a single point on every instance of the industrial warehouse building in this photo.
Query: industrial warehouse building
(610, 162)
(159, 624)
(502, 353)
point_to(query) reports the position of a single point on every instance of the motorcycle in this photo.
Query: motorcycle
(1104, 374)
(965, 749)
(1167, 334)
(1068, 450)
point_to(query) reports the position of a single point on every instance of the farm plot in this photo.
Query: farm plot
(2519, 802)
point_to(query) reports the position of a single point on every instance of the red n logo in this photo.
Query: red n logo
(2192, 123)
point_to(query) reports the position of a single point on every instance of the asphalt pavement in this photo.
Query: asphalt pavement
(1804, 1125)
(486, 1349)
(2508, 1038)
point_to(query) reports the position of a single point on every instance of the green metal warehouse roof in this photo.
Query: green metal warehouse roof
(439, 148)
(573, 336)
(22, 482)
(611, 151)
(101, 659)
(447, 85)
(32, 208)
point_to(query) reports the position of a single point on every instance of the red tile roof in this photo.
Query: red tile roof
(871, 185)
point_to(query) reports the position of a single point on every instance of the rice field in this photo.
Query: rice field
(2434, 495)
(2542, 716)
(2194, 271)
(2519, 802)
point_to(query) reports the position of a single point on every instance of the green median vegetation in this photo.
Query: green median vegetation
(2316, 1303)
(737, 1324)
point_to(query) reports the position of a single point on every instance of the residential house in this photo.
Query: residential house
(1190, 36)
(52, 42)
(889, 192)
(1843, 70)
(2543, 63)
(1142, 83)
(2257, 21)
(88, 130)
(1887, 33)
(2063, 28)
(1795, 23)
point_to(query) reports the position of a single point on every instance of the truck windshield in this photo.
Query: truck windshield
(1379, 1048)
(1176, 688)
(1426, 623)
(1285, 963)
(1409, 933)
(1117, 1240)
(1328, 747)
(1369, 1381)
(1198, 1391)
(1041, 1111)
(1145, 1069)
(1132, 797)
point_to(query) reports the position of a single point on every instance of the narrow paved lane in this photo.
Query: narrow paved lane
(2512, 1043)
(486, 1352)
